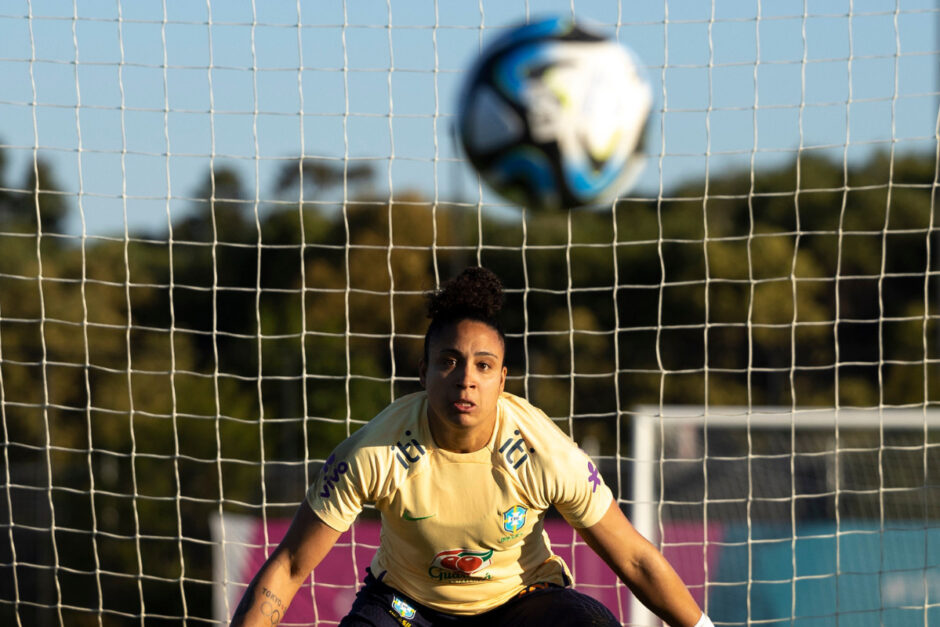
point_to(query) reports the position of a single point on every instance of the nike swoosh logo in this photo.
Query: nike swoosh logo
(408, 516)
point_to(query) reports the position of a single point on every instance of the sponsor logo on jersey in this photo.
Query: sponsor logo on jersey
(593, 477)
(515, 451)
(457, 565)
(403, 609)
(514, 519)
(408, 516)
(409, 452)
(330, 475)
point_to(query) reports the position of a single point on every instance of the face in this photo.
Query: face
(464, 375)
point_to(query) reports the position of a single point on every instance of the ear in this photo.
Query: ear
(423, 373)
(502, 379)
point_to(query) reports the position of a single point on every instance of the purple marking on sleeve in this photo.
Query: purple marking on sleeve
(593, 477)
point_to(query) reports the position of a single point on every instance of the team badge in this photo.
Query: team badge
(514, 519)
(404, 610)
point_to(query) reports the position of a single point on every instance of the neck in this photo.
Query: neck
(458, 439)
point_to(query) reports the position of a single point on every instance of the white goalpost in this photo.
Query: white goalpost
(218, 221)
(815, 459)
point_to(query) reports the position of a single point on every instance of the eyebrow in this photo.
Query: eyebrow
(454, 351)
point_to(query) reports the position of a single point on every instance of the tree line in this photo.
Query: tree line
(150, 382)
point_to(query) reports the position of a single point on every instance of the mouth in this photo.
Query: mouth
(464, 406)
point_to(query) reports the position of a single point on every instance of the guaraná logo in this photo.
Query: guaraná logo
(459, 563)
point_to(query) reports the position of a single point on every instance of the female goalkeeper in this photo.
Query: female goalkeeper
(463, 473)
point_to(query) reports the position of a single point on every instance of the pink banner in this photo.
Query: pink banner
(326, 597)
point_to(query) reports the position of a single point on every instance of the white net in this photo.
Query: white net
(217, 222)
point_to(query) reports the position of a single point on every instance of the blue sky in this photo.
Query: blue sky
(735, 83)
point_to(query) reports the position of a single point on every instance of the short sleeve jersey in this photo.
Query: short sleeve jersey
(461, 532)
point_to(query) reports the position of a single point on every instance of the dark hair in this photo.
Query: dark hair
(474, 294)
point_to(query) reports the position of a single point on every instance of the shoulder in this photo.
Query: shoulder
(368, 461)
(383, 429)
(551, 464)
(373, 446)
(401, 410)
(532, 423)
(530, 443)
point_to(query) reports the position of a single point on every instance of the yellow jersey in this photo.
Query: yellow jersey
(461, 532)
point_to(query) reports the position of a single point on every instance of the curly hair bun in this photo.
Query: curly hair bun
(476, 293)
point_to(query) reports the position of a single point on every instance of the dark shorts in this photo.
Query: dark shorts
(379, 605)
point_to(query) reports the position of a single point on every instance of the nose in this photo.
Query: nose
(464, 377)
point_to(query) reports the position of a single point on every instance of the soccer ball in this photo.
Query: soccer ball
(552, 115)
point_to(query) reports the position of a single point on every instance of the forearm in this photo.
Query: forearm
(269, 594)
(642, 568)
(654, 582)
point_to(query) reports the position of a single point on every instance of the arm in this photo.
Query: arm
(269, 594)
(642, 568)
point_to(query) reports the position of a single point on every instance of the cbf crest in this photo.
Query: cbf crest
(404, 610)
(514, 519)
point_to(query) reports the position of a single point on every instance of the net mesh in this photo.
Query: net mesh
(217, 222)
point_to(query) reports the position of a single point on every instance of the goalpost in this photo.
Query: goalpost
(218, 220)
(785, 530)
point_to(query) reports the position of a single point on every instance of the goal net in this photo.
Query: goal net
(218, 220)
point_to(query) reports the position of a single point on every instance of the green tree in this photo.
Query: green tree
(152, 376)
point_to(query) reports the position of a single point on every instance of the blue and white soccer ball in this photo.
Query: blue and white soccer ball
(552, 115)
